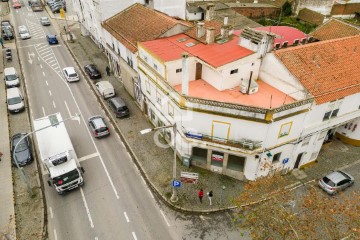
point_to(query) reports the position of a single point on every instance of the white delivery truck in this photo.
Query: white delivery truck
(57, 153)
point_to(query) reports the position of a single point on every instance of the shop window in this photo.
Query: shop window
(236, 163)
(217, 159)
(276, 157)
(179, 70)
(199, 154)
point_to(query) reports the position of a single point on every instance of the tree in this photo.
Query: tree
(270, 211)
(286, 9)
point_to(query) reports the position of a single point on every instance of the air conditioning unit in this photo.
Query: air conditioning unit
(254, 87)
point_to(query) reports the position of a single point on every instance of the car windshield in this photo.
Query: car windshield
(123, 108)
(14, 100)
(73, 75)
(328, 182)
(44, 19)
(22, 31)
(100, 130)
(11, 77)
(66, 178)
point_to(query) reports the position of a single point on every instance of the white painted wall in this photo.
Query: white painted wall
(175, 8)
(175, 78)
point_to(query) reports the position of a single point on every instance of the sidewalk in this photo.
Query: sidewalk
(156, 163)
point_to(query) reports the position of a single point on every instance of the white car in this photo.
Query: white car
(70, 74)
(24, 32)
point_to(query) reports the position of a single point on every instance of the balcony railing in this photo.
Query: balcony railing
(243, 143)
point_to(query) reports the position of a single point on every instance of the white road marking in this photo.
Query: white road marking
(122, 144)
(134, 235)
(47, 84)
(67, 107)
(87, 208)
(44, 56)
(126, 217)
(51, 212)
(96, 238)
(88, 157)
(50, 93)
(43, 74)
(43, 109)
(38, 59)
(55, 235)
(40, 65)
(129, 154)
(151, 194)
(51, 61)
(167, 222)
(54, 104)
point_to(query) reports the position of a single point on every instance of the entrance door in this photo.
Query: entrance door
(298, 160)
(145, 107)
(198, 71)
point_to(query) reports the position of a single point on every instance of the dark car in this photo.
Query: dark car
(92, 71)
(23, 154)
(52, 39)
(119, 107)
(57, 8)
(336, 181)
(7, 34)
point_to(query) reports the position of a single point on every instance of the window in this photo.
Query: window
(234, 71)
(155, 67)
(179, 70)
(314, 155)
(276, 157)
(158, 98)
(145, 58)
(170, 110)
(152, 114)
(148, 86)
(334, 113)
(327, 116)
(217, 159)
(199, 154)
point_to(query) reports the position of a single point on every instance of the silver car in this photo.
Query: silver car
(45, 21)
(336, 181)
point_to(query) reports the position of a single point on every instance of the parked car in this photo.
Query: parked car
(98, 126)
(23, 154)
(57, 8)
(45, 21)
(7, 34)
(6, 24)
(24, 32)
(106, 89)
(92, 71)
(14, 100)
(118, 106)
(71, 74)
(16, 5)
(336, 181)
(52, 39)
(11, 77)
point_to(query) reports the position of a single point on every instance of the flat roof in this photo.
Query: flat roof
(266, 96)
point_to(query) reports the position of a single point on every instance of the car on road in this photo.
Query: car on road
(98, 126)
(51, 39)
(23, 153)
(70, 74)
(335, 182)
(92, 71)
(24, 32)
(45, 21)
(118, 106)
(16, 5)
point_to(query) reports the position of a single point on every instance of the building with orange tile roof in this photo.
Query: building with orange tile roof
(334, 28)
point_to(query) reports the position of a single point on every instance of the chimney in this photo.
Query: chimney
(225, 29)
(210, 35)
(185, 75)
(200, 30)
(209, 11)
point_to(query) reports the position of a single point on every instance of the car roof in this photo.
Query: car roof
(70, 69)
(44, 18)
(98, 121)
(22, 26)
(336, 176)
(51, 36)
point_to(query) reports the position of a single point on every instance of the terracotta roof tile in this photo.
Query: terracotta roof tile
(207, 24)
(311, 16)
(329, 70)
(138, 23)
(333, 29)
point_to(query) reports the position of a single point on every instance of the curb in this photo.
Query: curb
(131, 151)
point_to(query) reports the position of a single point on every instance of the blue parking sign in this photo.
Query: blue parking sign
(176, 183)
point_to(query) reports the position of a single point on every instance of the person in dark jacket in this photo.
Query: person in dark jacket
(108, 70)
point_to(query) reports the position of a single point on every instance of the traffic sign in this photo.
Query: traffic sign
(285, 161)
(176, 183)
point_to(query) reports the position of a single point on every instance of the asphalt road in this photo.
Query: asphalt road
(115, 202)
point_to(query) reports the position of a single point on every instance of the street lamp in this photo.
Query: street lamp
(221, 197)
(174, 197)
(21, 169)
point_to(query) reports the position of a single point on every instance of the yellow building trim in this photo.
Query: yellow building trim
(348, 140)
(280, 135)
(227, 123)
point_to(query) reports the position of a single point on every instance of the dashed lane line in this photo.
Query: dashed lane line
(96, 154)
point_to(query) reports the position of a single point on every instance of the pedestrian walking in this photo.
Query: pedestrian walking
(108, 70)
(1, 154)
(210, 195)
(1, 42)
(201, 195)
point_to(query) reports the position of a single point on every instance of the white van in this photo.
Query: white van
(11, 78)
(24, 32)
(14, 100)
(105, 89)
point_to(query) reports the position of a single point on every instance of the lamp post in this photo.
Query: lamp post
(174, 197)
(21, 169)
(221, 197)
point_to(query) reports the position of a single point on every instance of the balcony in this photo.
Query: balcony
(243, 143)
